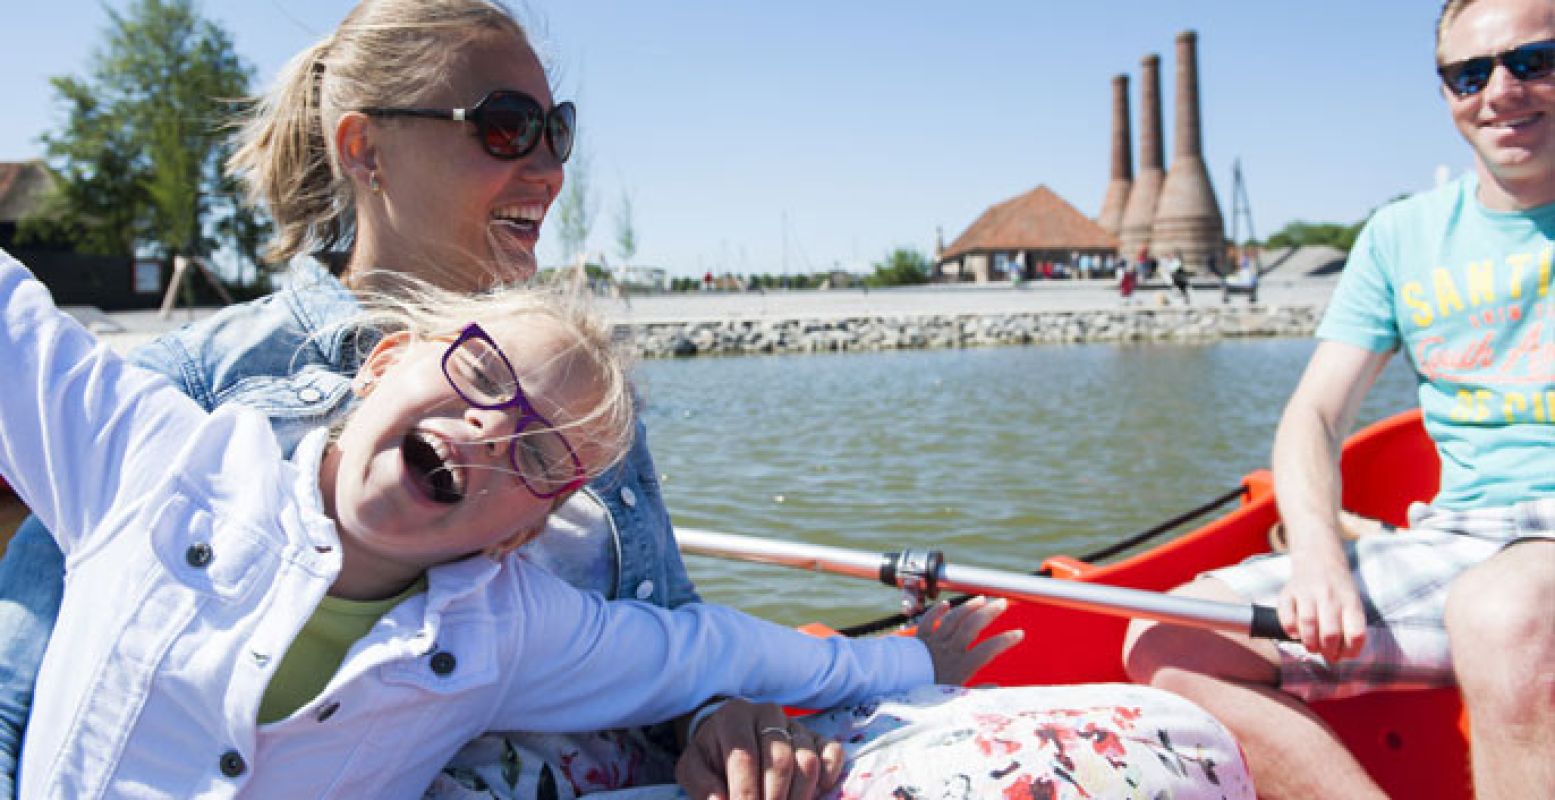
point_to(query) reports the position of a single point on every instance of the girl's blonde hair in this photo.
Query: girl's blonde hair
(403, 303)
(385, 53)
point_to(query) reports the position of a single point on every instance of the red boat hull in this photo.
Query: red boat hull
(1415, 744)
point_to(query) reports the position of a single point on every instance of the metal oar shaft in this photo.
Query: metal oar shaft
(1118, 600)
(798, 555)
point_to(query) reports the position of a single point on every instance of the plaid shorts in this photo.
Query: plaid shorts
(1403, 579)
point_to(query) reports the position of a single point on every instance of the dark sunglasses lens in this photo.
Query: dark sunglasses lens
(1468, 77)
(559, 128)
(510, 125)
(1531, 61)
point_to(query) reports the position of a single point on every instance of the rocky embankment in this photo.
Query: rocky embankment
(736, 336)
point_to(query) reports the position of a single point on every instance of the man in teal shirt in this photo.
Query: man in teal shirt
(1459, 281)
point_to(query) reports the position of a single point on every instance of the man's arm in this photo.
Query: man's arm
(1320, 605)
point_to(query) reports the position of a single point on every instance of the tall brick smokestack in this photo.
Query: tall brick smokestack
(1187, 217)
(1122, 179)
(1139, 212)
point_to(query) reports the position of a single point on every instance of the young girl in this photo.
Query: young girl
(340, 622)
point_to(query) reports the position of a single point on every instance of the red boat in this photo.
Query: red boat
(1414, 743)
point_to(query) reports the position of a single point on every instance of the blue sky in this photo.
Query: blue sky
(802, 135)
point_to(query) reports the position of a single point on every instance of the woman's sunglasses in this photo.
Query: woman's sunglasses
(508, 123)
(1528, 62)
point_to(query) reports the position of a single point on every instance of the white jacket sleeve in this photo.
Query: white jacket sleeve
(79, 429)
(584, 663)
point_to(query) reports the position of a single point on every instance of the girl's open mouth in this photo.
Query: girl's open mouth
(428, 462)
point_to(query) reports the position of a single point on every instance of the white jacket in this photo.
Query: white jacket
(194, 553)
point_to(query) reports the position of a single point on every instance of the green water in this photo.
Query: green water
(999, 457)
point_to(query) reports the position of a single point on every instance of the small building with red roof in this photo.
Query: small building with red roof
(1032, 229)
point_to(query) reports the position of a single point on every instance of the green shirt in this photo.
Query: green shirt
(317, 652)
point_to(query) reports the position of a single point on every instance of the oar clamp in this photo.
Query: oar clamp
(916, 573)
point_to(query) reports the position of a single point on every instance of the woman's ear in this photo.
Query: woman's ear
(357, 148)
(384, 355)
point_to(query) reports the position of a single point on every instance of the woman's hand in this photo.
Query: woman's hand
(947, 632)
(744, 750)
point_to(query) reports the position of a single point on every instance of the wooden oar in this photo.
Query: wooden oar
(925, 572)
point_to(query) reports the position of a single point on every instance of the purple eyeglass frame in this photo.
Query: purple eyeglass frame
(526, 409)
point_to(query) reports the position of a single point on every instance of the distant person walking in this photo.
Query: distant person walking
(1128, 278)
(1177, 274)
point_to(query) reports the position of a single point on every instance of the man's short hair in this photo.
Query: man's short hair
(1450, 11)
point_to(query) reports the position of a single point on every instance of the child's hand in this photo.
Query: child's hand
(947, 631)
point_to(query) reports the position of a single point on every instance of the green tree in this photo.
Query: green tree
(1302, 234)
(575, 208)
(140, 155)
(626, 229)
(901, 267)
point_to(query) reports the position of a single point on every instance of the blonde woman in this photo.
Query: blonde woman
(348, 174)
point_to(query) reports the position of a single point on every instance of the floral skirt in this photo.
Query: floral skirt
(1097, 741)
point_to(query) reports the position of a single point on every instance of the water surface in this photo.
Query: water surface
(999, 456)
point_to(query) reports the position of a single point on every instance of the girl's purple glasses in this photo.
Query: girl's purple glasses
(482, 376)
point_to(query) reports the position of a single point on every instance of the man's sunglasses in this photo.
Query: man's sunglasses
(508, 123)
(1528, 62)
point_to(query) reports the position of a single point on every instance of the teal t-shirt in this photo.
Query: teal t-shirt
(1465, 293)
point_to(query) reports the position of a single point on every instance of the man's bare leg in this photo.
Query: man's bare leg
(1292, 752)
(1503, 651)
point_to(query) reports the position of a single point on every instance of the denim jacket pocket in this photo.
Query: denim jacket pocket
(205, 555)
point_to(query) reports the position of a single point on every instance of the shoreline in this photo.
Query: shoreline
(876, 333)
(920, 317)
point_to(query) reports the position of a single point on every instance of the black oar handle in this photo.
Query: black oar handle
(1266, 625)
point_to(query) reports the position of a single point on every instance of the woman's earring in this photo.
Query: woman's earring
(372, 182)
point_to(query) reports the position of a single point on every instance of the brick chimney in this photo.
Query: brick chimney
(1139, 211)
(1187, 217)
(1122, 179)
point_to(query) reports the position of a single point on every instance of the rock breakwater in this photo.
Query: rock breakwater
(736, 336)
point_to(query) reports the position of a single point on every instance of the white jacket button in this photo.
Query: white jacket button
(644, 590)
(628, 497)
(443, 662)
(309, 394)
(232, 764)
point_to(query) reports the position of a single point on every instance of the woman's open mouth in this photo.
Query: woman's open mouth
(429, 463)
